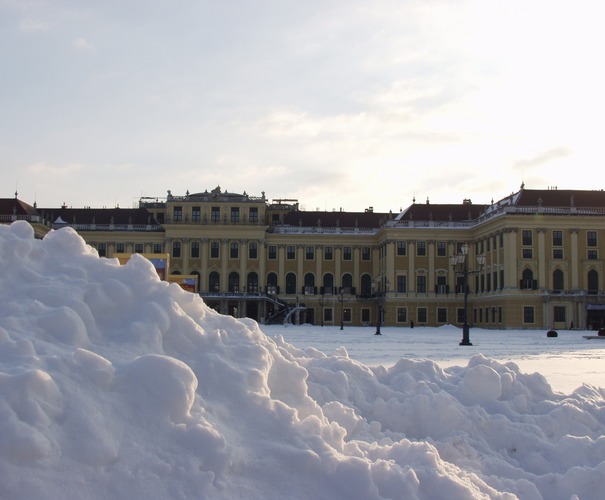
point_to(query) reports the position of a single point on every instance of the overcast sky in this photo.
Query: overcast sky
(340, 104)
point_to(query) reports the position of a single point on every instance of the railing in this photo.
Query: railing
(322, 230)
(13, 218)
(493, 212)
(110, 227)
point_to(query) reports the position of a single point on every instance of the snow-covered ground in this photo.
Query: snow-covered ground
(567, 361)
(114, 384)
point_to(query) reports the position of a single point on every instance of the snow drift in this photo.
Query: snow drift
(114, 384)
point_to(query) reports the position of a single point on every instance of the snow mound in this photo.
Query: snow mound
(114, 384)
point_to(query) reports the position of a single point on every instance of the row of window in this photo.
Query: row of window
(558, 281)
(121, 248)
(557, 253)
(235, 214)
(557, 238)
(487, 315)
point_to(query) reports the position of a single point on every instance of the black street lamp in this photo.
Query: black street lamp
(380, 292)
(321, 306)
(460, 265)
(342, 307)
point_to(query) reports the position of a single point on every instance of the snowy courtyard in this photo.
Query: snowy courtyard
(114, 384)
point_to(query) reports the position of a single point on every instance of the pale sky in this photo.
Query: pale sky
(339, 104)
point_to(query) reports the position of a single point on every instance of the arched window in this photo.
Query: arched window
(272, 287)
(366, 285)
(291, 283)
(328, 284)
(527, 280)
(252, 282)
(593, 282)
(309, 288)
(234, 282)
(214, 282)
(347, 284)
(557, 280)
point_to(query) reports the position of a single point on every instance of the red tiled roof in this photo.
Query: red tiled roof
(336, 219)
(136, 216)
(560, 198)
(10, 206)
(447, 212)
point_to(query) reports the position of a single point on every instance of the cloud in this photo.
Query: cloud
(33, 25)
(83, 45)
(47, 169)
(543, 157)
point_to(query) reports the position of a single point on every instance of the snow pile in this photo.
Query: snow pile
(114, 384)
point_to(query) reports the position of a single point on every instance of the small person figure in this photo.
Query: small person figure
(412, 324)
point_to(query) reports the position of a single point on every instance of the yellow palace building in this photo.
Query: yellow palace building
(534, 259)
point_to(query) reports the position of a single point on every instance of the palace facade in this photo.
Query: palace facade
(534, 259)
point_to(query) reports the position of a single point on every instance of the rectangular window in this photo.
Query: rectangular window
(253, 215)
(401, 248)
(196, 214)
(290, 252)
(441, 249)
(138, 248)
(592, 255)
(176, 249)
(214, 250)
(233, 250)
(234, 214)
(158, 248)
(102, 249)
(402, 283)
(177, 214)
(559, 314)
(195, 249)
(328, 253)
(591, 238)
(365, 316)
(421, 249)
(557, 238)
(120, 248)
(402, 315)
(441, 286)
(309, 253)
(272, 252)
(159, 217)
(365, 253)
(557, 253)
(328, 314)
(526, 237)
(460, 315)
(347, 253)
(441, 315)
(422, 314)
(346, 315)
(215, 214)
(527, 253)
(421, 283)
(528, 315)
(253, 250)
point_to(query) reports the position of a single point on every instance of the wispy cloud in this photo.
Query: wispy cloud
(83, 45)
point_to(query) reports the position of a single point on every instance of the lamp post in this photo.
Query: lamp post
(381, 286)
(459, 263)
(321, 306)
(342, 309)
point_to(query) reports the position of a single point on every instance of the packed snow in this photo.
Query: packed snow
(114, 384)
